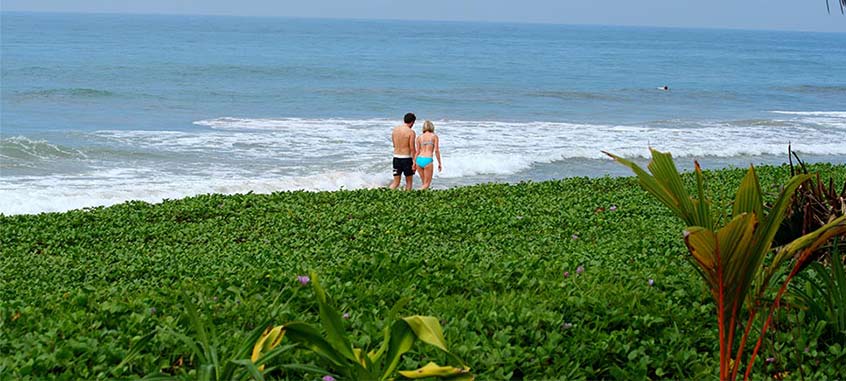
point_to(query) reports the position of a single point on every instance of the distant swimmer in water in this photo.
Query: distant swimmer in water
(665, 88)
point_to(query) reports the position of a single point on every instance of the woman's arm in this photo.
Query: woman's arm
(438, 154)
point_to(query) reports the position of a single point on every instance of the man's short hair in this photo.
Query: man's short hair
(409, 118)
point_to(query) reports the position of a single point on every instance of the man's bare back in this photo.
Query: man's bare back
(403, 138)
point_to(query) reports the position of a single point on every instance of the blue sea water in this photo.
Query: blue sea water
(100, 109)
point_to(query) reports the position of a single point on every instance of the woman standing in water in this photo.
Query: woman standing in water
(427, 144)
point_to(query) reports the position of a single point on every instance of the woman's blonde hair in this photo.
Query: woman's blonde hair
(428, 126)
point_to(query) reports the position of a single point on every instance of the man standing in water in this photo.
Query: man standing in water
(403, 138)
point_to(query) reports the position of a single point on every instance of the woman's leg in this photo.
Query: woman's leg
(427, 175)
(422, 173)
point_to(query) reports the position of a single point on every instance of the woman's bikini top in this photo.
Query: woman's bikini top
(429, 143)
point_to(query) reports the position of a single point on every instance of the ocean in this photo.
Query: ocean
(100, 109)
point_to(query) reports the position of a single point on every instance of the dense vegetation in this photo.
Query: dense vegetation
(578, 278)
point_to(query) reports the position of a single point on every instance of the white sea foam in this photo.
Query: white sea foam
(237, 155)
(831, 119)
(21, 148)
(832, 114)
(61, 193)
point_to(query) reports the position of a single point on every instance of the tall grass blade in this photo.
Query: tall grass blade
(386, 332)
(204, 342)
(254, 372)
(332, 323)
(402, 339)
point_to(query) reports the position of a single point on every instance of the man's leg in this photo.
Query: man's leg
(409, 181)
(397, 172)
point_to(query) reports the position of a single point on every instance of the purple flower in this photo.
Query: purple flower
(328, 378)
(770, 360)
(303, 279)
(580, 269)
(346, 315)
(152, 310)
(651, 282)
(566, 274)
(613, 208)
(807, 349)
(566, 325)
(574, 237)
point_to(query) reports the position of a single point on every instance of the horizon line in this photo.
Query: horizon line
(470, 21)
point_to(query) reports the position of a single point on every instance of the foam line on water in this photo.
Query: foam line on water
(236, 155)
(832, 114)
(61, 193)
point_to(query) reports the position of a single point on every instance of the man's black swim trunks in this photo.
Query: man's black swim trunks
(403, 165)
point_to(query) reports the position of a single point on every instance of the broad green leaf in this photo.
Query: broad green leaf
(722, 253)
(434, 370)
(702, 245)
(665, 172)
(402, 339)
(247, 345)
(428, 330)
(748, 198)
(276, 352)
(271, 338)
(702, 205)
(360, 356)
(666, 185)
(651, 185)
(737, 264)
(310, 338)
(386, 332)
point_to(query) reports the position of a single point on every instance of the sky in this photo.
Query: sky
(804, 15)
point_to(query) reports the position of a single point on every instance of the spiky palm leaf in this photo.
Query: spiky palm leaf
(731, 258)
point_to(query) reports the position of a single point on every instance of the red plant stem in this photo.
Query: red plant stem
(775, 305)
(732, 326)
(748, 328)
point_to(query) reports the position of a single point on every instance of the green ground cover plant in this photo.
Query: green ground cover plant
(572, 279)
